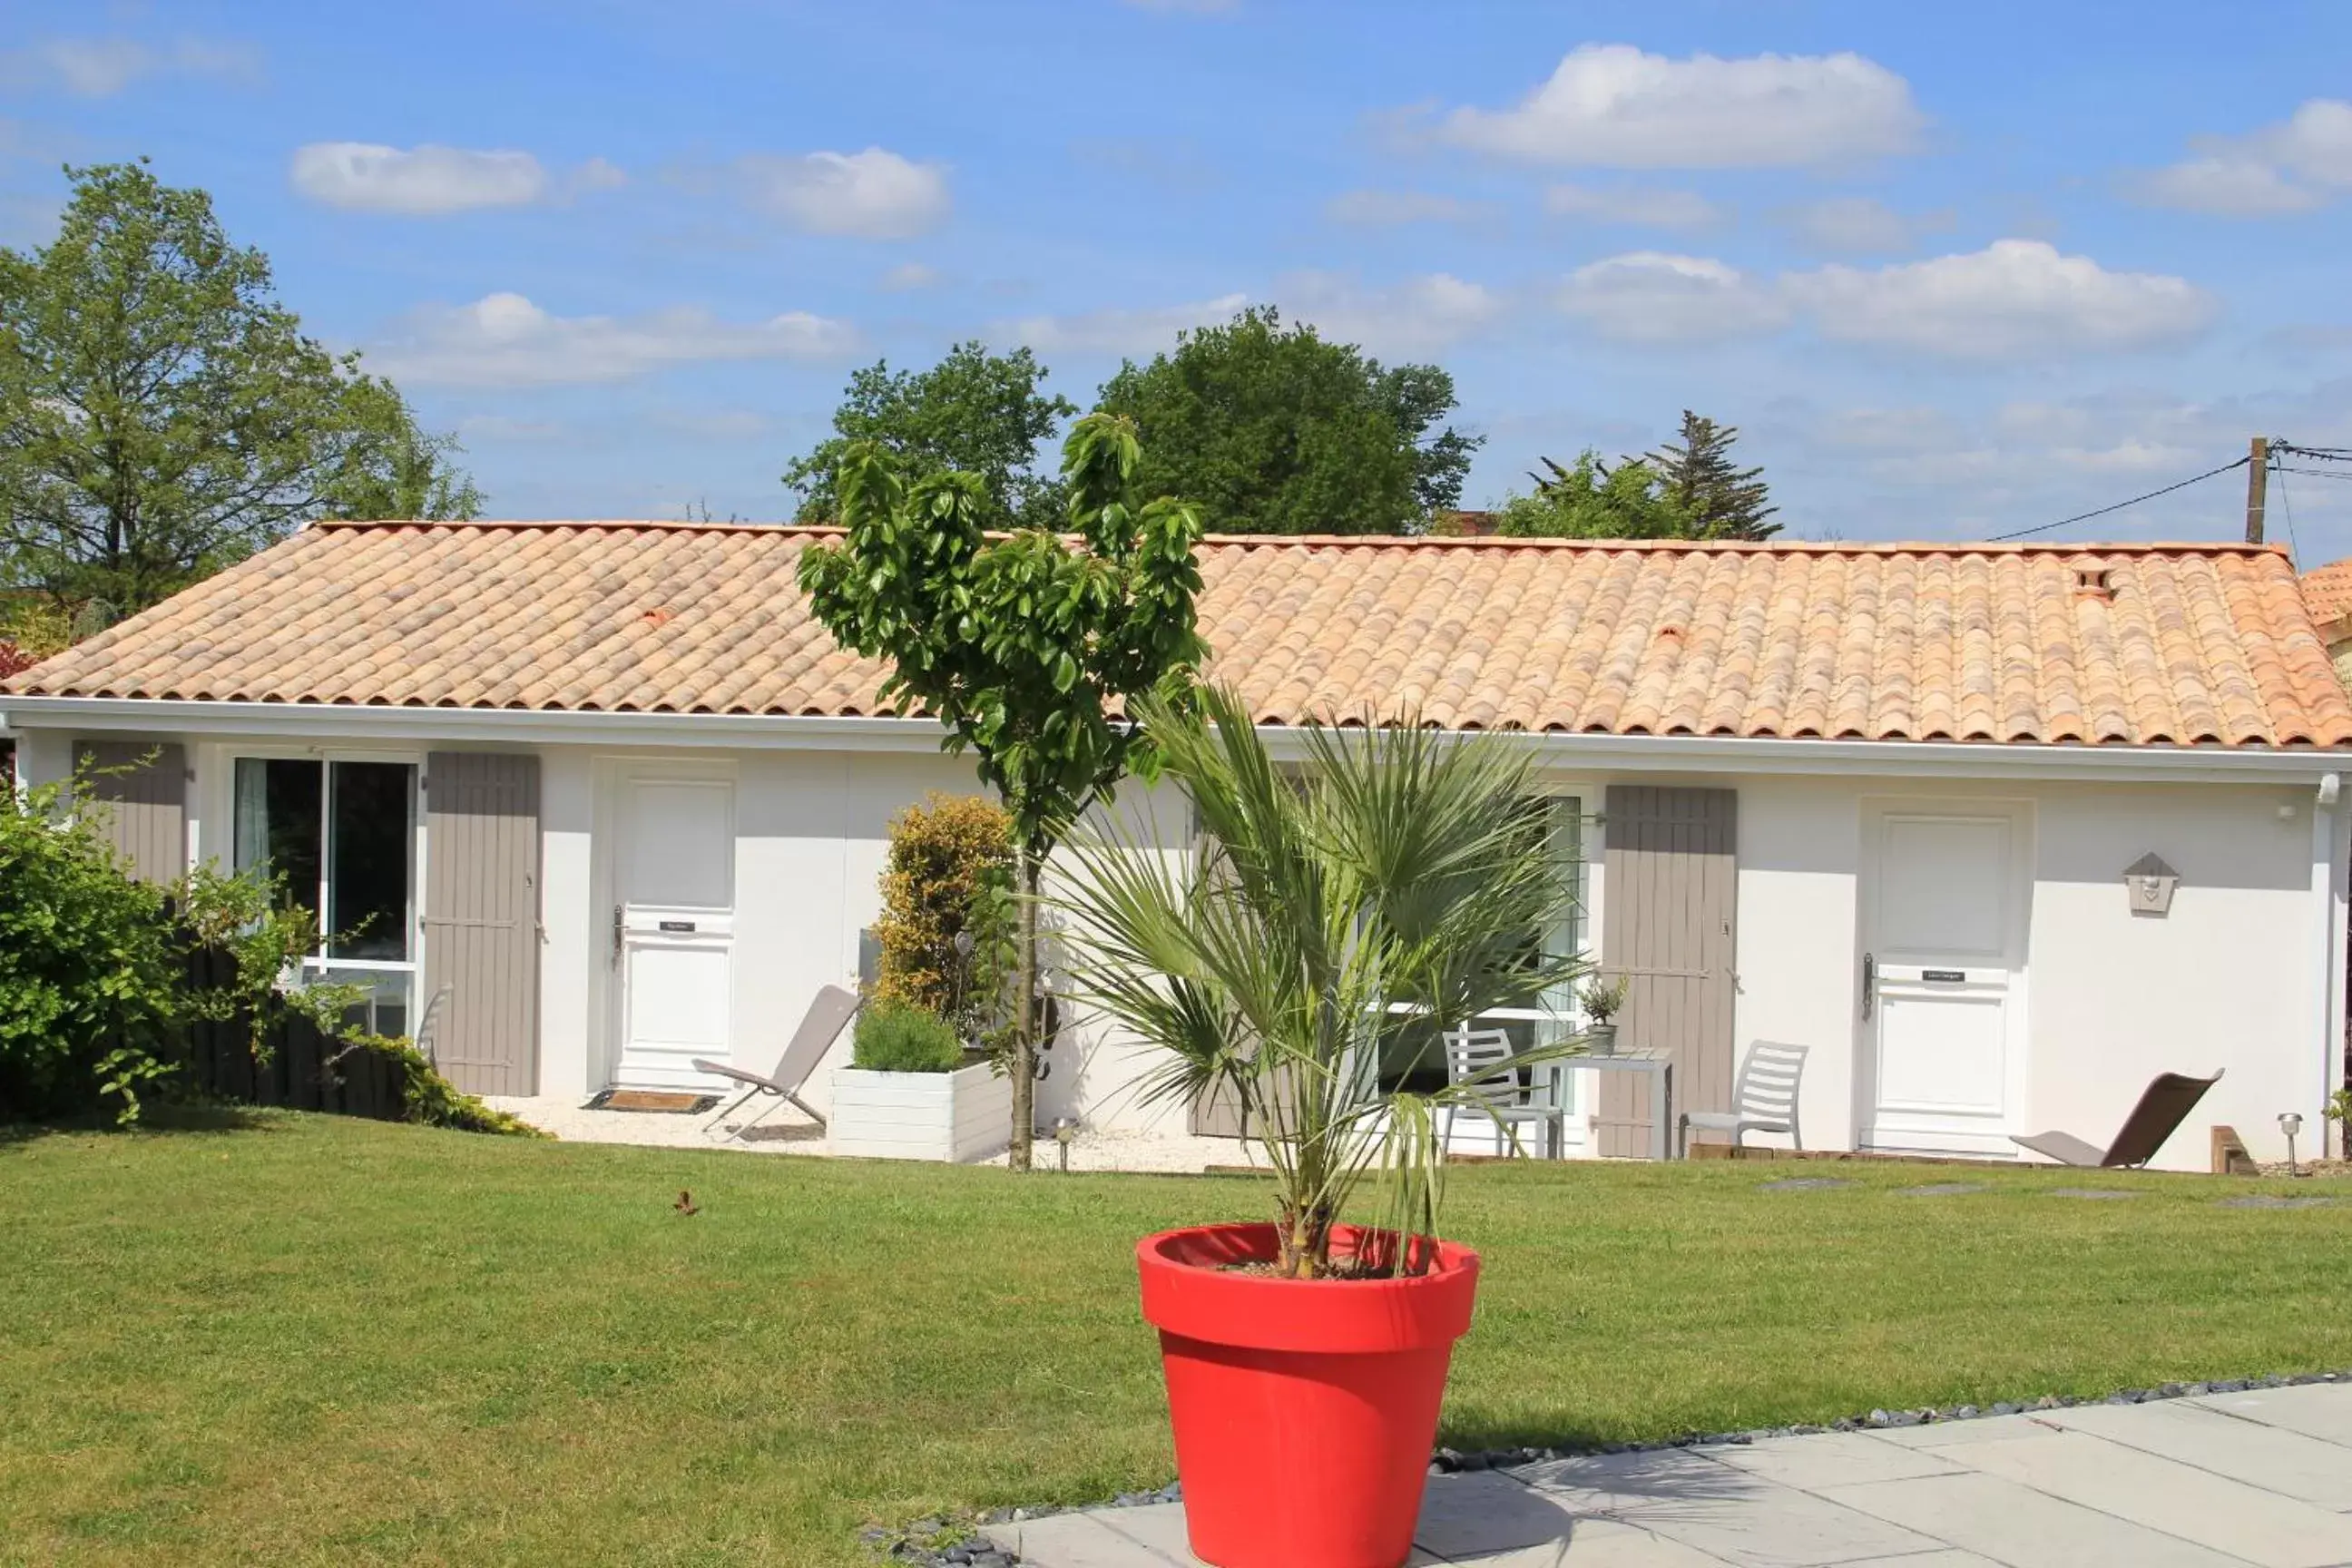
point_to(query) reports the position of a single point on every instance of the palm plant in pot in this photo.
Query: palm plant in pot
(1380, 894)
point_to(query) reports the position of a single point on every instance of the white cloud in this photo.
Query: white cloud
(101, 67)
(872, 194)
(1420, 315)
(1611, 105)
(597, 174)
(2016, 299)
(2302, 163)
(1389, 208)
(418, 181)
(504, 340)
(908, 276)
(1642, 206)
(1126, 333)
(1652, 297)
(1855, 225)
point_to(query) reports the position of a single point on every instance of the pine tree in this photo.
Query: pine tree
(1721, 502)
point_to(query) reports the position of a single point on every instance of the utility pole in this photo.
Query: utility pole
(2258, 482)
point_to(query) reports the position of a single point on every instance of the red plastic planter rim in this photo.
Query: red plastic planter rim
(1189, 1289)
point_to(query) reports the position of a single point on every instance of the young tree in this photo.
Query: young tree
(1721, 502)
(972, 413)
(1272, 430)
(1592, 501)
(1021, 647)
(160, 414)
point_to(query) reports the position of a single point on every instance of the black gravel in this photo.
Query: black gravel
(957, 1543)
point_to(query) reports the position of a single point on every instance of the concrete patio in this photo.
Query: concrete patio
(2261, 1478)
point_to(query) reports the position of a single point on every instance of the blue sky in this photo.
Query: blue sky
(1954, 272)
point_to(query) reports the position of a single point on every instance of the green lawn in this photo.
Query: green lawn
(307, 1340)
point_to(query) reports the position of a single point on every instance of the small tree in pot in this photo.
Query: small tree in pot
(1390, 890)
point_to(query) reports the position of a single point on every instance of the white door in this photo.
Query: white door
(674, 929)
(1943, 984)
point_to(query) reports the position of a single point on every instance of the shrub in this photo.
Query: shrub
(92, 978)
(947, 926)
(897, 1036)
(432, 1101)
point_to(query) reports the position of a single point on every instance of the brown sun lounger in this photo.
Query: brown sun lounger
(2169, 1097)
(828, 1013)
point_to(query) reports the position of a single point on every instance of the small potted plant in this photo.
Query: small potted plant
(1602, 1000)
(1386, 890)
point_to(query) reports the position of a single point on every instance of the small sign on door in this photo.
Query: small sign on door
(1946, 976)
(677, 925)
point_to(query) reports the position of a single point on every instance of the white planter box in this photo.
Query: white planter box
(953, 1116)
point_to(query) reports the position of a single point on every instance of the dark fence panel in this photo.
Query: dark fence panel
(300, 1067)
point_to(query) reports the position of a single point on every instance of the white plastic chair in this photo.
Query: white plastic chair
(1474, 1058)
(1763, 1100)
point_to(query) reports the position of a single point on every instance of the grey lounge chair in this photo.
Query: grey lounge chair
(1474, 1057)
(828, 1012)
(1763, 1100)
(2166, 1104)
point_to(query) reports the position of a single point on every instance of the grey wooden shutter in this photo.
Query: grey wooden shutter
(481, 918)
(1668, 914)
(143, 790)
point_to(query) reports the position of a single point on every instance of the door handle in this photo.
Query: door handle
(1869, 983)
(617, 936)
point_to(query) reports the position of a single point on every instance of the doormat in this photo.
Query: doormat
(655, 1100)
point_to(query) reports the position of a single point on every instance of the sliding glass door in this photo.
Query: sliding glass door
(342, 838)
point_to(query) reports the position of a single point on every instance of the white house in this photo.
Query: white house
(610, 789)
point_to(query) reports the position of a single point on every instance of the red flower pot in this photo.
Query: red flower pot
(1304, 1410)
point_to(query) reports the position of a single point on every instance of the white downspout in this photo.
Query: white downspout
(2328, 888)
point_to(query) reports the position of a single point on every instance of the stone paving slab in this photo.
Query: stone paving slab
(2308, 1470)
(2218, 1481)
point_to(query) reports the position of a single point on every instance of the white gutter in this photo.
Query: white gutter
(1625, 754)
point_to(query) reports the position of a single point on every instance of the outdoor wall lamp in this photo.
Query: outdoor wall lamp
(2148, 883)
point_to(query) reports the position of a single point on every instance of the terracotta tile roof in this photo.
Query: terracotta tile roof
(2327, 591)
(2100, 645)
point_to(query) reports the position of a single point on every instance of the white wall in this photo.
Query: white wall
(573, 954)
(2236, 976)
(2231, 978)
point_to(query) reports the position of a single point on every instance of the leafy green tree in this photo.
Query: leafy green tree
(161, 415)
(1721, 502)
(1593, 500)
(1271, 429)
(972, 413)
(397, 470)
(1019, 645)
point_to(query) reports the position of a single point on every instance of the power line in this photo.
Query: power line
(2325, 454)
(2287, 506)
(2101, 512)
(2315, 473)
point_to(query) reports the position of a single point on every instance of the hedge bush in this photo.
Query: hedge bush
(947, 927)
(92, 978)
(897, 1036)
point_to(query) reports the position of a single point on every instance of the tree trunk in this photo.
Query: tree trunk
(1024, 1037)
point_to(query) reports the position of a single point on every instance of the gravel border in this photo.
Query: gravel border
(945, 1543)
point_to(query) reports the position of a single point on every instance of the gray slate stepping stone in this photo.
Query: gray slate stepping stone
(2272, 1201)
(2095, 1193)
(1940, 1190)
(1805, 1183)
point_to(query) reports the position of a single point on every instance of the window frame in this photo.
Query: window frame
(316, 967)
